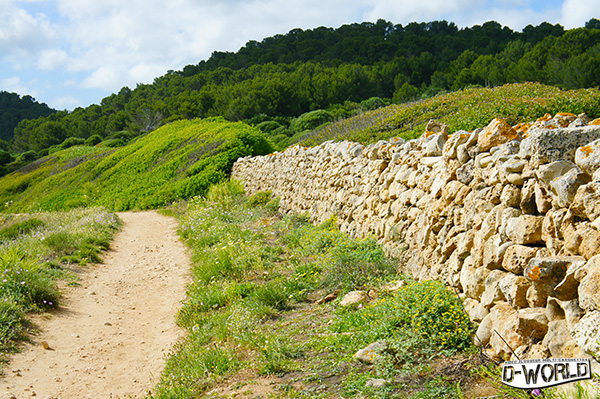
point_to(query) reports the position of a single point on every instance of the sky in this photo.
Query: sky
(73, 53)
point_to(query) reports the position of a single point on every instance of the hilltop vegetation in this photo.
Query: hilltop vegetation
(179, 160)
(466, 109)
(280, 78)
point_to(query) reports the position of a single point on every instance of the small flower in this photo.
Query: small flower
(536, 392)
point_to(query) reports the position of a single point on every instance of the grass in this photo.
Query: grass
(467, 109)
(250, 312)
(178, 160)
(35, 251)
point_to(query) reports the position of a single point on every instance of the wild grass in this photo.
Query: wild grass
(35, 250)
(466, 109)
(248, 305)
(178, 160)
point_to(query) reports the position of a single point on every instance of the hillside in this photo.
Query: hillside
(281, 78)
(179, 160)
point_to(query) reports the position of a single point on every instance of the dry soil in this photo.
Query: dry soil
(110, 336)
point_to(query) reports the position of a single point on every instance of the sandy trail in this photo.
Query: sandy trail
(110, 337)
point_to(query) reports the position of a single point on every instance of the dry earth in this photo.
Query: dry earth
(110, 337)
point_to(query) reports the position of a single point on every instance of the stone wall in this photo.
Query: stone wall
(508, 215)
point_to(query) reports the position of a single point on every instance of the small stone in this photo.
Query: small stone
(107, 324)
(353, 298)
(370, 353)
(327, 298)
(45, 345)
(376, 383)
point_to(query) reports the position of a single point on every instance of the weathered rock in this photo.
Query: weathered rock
(566, 290)
(587, 157)
(484, 331)
(551, 171)
(545, 274)
(472, 279)
(435, 145)
(587, 201)
(587, 332)
(533, 323)
(589, 289)
(557, 335)
(565, 187)
(492, 293)
(515, 289)
(477, 312)
(353, 298)
(371, 353)
(496, 133)
(511, 196)
(546, 146)
(526, 229)
(505, 321)
(517, 257)
(434, 127)
(451, 146)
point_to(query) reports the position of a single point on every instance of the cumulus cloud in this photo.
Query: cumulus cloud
(20, 32)
(576, 13)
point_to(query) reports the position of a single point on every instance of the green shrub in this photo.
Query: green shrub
(72, 141)
(11, 323)
(93, 140)
(28, 156)
(311, 120)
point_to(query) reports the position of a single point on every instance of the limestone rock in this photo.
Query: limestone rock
(544, 273)
(566, 290)
(517, 257)
(492, 293)
(533, 323)
(477, 312)
(484, 331)
(587, 157)
(565, 187)
(370, 354)
(547, 146)
(434, 127)
(496, 133)
(435, 145)
(472, 279)
(353, 298)
(515, 289)
(588, 290)
(587, 332)
(505, 321)
(451, 146)
(526, 229)
(556, 337)
(547, 173)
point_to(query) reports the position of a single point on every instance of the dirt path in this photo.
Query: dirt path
(110, 337)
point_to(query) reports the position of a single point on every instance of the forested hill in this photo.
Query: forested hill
(14, 108)
(269, 83)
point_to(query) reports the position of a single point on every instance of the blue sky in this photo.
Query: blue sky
(70, 53)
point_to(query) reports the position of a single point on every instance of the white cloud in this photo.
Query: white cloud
(20, 32)
(65, 102)
(576, 13)
(53, 59)
(14, 84)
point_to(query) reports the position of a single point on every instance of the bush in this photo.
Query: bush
(93, 140)
(28, 156)
(260, 199)
(72, 141)
(311, 120)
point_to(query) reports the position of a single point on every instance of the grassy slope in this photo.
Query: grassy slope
(465, 109)
(179, 160)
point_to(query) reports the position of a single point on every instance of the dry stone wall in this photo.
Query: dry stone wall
(508, 215)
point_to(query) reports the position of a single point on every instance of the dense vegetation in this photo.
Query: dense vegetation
(179, 160)
(13, 109)
(336, 70)
(467, 109)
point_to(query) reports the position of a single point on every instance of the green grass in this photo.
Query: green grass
(36, 250)
(464, 109)
(179, 160)
(248, 306)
